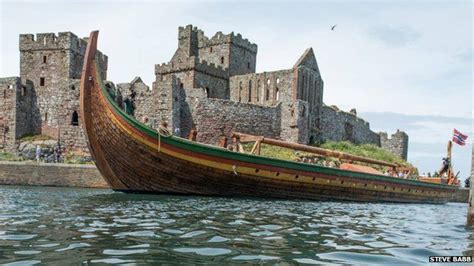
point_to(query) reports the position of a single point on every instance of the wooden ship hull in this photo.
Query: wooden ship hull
(135, 158)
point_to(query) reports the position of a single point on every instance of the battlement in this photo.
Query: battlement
(44, 41)
(212, 69)
(192, 63)
(399, 135)
(217, 39)
(187, 63)
(61, 41)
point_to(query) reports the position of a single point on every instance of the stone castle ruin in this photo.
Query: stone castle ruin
(210, 85)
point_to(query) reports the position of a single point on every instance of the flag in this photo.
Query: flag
(459, 138)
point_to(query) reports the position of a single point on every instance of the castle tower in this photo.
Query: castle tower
(188, 40)
(53, 64)
(397, 143)
(16, 111)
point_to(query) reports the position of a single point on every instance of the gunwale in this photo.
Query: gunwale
(224, 155)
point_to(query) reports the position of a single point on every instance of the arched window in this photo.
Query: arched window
(75, 119)
(277, 94)
(250, 91)
(23, 90)
(222, 60)
(46, 117)
(181, 85)
(207, 92)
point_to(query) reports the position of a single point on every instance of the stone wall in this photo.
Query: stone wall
(338, 125)
(57, 175)
(267, 88)
(8, 89)
(211, 122)
(397, 143)
(52, 64)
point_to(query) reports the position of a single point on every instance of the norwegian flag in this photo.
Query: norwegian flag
(459, 138)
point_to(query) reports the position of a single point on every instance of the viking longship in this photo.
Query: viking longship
(133, 157)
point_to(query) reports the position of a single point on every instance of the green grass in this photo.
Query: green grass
(273, 151)
(31, 137)
(365, 150)
(6, 156)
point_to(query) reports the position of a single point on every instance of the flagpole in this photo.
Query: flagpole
(470, 211)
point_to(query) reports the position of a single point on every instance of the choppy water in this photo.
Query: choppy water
(64, 225)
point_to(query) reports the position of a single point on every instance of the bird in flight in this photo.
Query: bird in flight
(333, 27)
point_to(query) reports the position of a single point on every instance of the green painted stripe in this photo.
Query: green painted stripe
(250, 158)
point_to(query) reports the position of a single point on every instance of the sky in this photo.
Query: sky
(402, 64)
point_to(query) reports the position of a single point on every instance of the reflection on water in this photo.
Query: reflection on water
(63, 225)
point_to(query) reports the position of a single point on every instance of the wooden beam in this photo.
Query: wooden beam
(316, 150)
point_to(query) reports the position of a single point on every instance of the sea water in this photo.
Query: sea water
(68, 225)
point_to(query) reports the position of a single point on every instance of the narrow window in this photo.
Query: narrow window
(23, 91)
(304, 111)
(181, 85)
(267, 96)
(277, 94)
(41, 81)
(75, 119)
(258, 91)
(210, 50)
(72, 87)
(44, 59)
(4, 94)
(46, 117)
(250, 91)
(248, 65)
(207, 92)
(222, 60)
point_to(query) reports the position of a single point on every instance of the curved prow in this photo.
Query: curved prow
(87, 81)
(90, 84)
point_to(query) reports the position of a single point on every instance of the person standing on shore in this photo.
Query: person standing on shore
(57, 153)
(38, 153)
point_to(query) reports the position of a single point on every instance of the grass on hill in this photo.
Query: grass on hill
(365, 150)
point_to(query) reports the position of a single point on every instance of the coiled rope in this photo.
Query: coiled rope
(162, 131)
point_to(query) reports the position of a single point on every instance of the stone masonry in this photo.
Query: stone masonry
(45, 98)
(210, 84)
